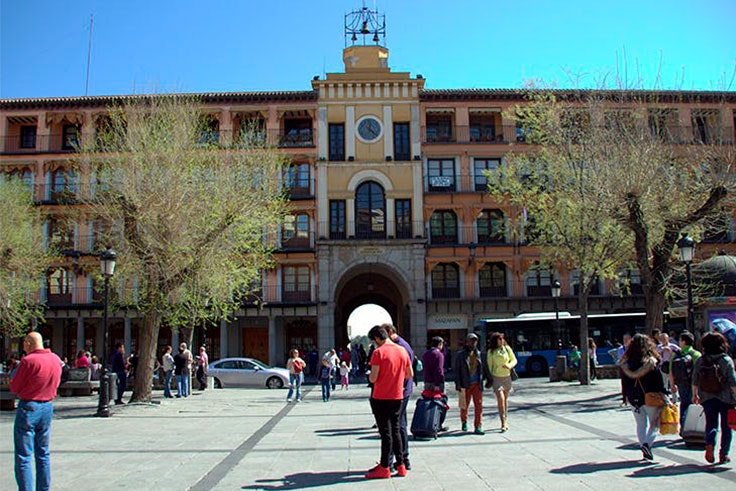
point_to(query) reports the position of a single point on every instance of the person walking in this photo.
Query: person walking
(120, 369)
(501, 360)
(470, 371)
(433, 363)
(295, 366)
(393, 334)
(714, 387)
(203, 364)
(167, 362)
(592, 358)
(641, 375)
(35, 383)
(681, 373)
(334, 360)
(325, 375)
(390, 368)
(344, 376)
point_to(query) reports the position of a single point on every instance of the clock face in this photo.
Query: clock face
(369, 129)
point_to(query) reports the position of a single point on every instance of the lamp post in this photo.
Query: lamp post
(686, 247)
(556, 295)
(107, 266)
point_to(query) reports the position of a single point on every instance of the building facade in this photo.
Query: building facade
(390, 207)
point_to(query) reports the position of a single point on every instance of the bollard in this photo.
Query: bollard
(560, 366)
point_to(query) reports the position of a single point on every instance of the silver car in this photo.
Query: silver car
(247, 372)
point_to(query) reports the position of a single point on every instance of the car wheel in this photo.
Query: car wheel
(274, 383)
(218, 384)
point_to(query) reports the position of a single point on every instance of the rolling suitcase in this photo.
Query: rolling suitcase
(427, 416)
(693, 429)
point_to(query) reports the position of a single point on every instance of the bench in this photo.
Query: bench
(7, 398)
(79, 383)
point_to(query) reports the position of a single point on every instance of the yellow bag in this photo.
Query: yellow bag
(669, 419)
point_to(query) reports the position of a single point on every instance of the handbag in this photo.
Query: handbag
(669, 419)
(514, 375)
(732, 418)
(652, 399)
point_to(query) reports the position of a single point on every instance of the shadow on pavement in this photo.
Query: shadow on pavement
(591, 467)
(345, 431)
(306, 480)
(677, 470)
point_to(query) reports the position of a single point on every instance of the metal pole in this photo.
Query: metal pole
(103, 406)
(557, 327)
(690, 316)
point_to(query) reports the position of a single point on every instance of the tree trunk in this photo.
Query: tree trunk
(142, 386)
(584, 351)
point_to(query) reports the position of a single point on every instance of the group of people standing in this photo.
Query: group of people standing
(181, 366)
(651, 371)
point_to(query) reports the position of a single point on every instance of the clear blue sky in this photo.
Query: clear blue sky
(247, 45)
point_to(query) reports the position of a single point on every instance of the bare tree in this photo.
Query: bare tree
(187, 217)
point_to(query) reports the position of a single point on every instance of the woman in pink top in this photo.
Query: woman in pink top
(82, 361)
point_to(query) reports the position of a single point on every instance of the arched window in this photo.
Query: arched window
(492, 280)
(491, 227)
(443, 227)
(445, 281)
(370, 211)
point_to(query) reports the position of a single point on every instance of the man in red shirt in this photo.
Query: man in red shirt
(390, 368)
(35, 383)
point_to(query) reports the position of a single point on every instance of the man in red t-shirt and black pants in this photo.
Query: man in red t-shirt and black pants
(35, 383)
(390, 366)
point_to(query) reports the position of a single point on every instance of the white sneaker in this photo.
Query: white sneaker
(288, 400)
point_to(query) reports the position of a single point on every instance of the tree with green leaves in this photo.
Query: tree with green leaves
(187, 217)
(24, 259)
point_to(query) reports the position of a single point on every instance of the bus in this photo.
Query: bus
(537, 338)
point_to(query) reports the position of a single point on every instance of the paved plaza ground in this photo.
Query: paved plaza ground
(562, 436)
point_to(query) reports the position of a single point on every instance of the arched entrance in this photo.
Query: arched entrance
(370, 283)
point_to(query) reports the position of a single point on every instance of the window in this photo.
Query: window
(296, 284)
(209, 132)
(297, 179)
(337, 219)
(445, 281)
(491, 227)
(629, 282)
(70, 137)
(441, 175)
(61, 235)
(402, 149)
(337, 141)
(706, 126)
(59, 287)
(538, 282)
(403, 218)
(575, 126)
(595, 288)
(296, 231)
(251, 131)
(663, 124)
(22, 175)
(27, 137)
(479, 167)
(297, 133)
(63, 185)
(439, 128)
(492, 280)
(370, 211)
(443, 227)
(483, 127)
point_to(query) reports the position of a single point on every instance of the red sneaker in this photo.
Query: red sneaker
(401, 471)
(379, 472)
(709, 454)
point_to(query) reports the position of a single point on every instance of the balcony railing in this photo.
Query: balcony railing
(353, 231)
(473, 134)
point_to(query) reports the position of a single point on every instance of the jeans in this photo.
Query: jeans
(295, 383)
(167, 383)
(32, 433)
(326, 389)
(714, 409)
(182, 385)
(646, 434)
(686, 398)
(387, 414)
(122, 385)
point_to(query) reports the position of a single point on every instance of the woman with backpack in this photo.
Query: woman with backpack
(714, 387)
(640, 375)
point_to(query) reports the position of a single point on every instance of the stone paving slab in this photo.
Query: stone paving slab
(563, 436)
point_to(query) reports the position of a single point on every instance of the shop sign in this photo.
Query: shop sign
(446, 321)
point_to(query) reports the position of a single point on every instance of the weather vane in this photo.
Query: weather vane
(366, 23)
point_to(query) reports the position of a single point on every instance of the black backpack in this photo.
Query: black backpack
(710, 375)
(682, 369)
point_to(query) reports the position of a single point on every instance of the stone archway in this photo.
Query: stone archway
(370, 283)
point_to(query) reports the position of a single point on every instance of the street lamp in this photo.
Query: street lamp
(556, 295)
(686, 247)
(107, 267)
